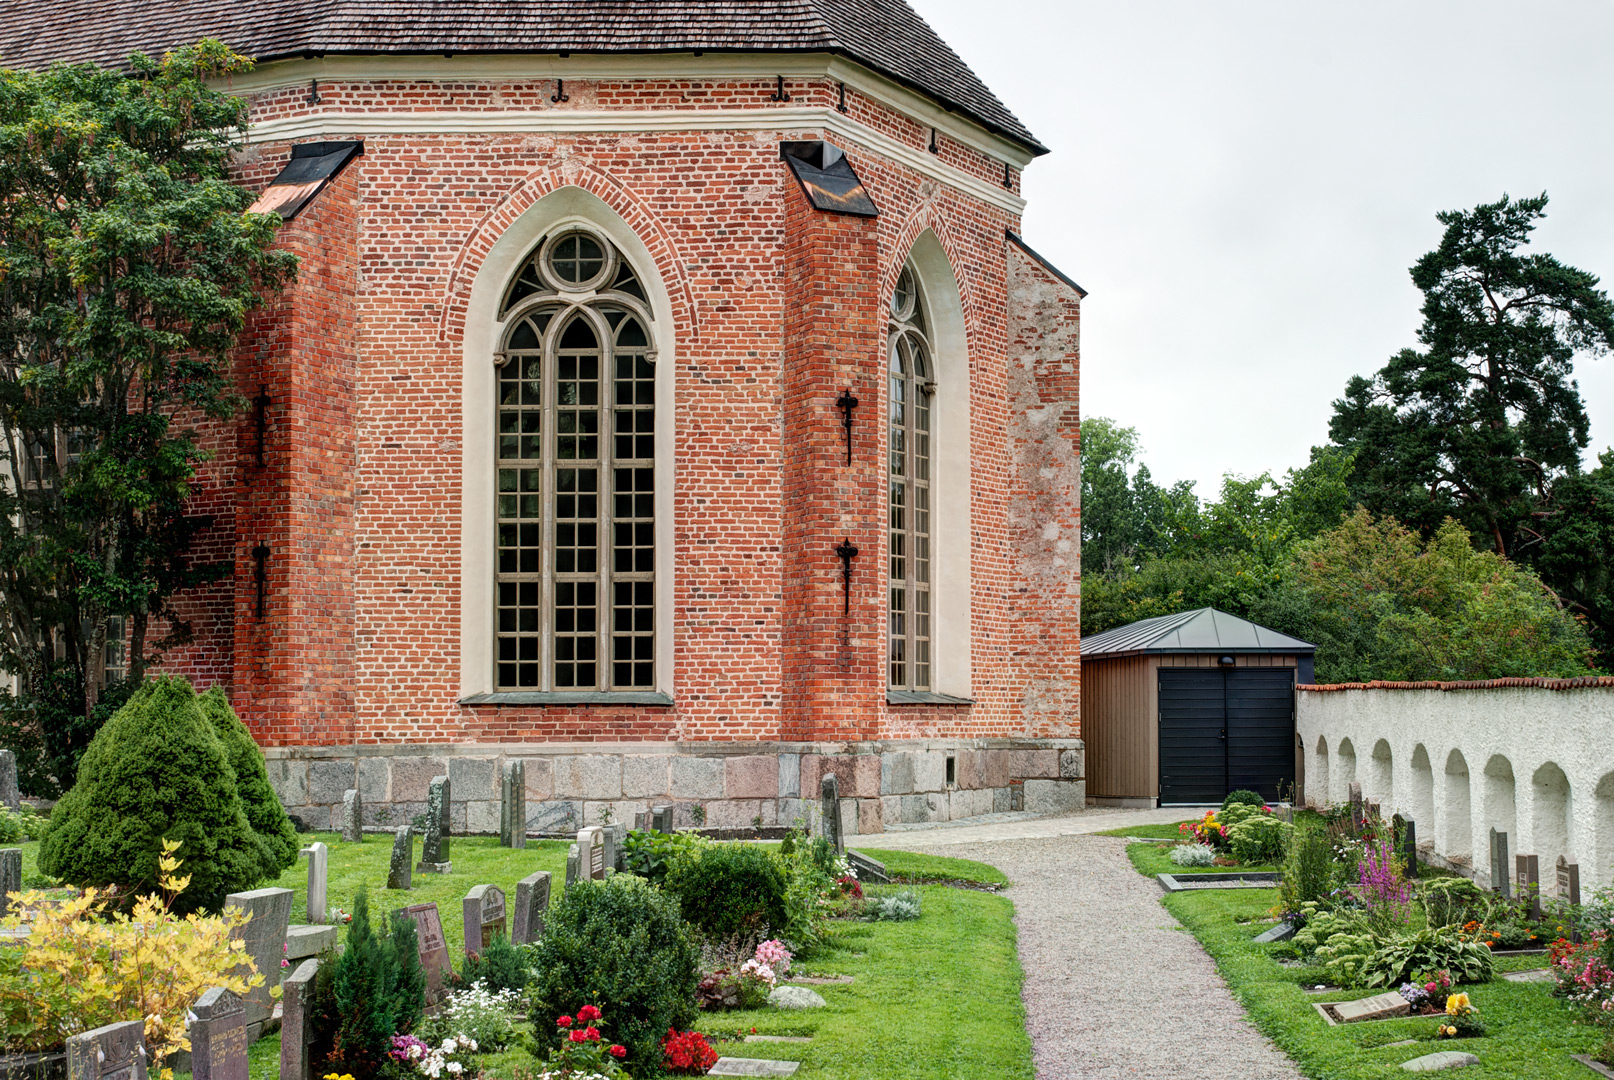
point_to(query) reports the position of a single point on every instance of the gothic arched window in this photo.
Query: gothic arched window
(912, 388)
(575, 559)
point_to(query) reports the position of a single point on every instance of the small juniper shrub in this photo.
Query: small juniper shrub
(374, 989)
(1245, 796)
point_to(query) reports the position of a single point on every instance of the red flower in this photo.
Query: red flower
(619, 1051)
(591, 1035)
(564, 1021)
(576, 1036)
(587, 1013)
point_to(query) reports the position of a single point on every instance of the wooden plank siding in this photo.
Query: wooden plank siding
(1121, 717)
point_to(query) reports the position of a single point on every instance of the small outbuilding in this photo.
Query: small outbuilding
(1182, 709)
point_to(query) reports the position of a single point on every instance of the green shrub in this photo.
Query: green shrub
(373, 989)
(1344, 957)
(1244, 796)
(621, 945)
(1452, 901)
(897, 907)
(1308, 873)
(1260, 839)
(156, 770)
(264, 813)
(1434, 948)
(1238, 812)
(10, 827)
(500, 966)
(1322, 925)
(648, 852)
(732, 888)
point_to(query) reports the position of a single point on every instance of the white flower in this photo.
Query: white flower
(455, 1067)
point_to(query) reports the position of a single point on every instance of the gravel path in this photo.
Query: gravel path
(1114, 986)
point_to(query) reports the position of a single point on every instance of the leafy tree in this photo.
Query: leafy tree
(1481, 421)
(127, 268)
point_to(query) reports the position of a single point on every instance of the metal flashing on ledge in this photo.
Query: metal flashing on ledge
(312, 166)
(1014, 238)
(827, 178)
(570, 697)
(924, 697)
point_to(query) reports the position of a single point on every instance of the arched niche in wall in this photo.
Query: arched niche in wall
(1420, 800)
(1456, 837)
(1344, 771)
(1550, 815)
(1317, 791)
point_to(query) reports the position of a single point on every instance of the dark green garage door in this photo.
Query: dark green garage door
(1226, 728)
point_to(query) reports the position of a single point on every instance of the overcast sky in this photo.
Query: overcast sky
(1242, 186)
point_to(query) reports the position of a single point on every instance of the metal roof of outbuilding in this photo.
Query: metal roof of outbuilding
(1200, 631)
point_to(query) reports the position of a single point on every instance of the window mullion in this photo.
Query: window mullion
(606, 536)
(546, 586)
(911, 478)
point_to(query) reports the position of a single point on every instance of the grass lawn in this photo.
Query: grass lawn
(1152, 859)
(1531, 1033)
(910, 867)
(1149, 832)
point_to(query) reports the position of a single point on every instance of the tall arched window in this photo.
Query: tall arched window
(575, 571)
(912, 389)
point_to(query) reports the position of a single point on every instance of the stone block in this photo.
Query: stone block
(865, 776)
(589, 776)
(1033, 764)
(814, 767)
(915, 808)
(697, 778)
(595, 813)
(555, 815)
(265, 937)
(290, 781)
(1072, 764)
(789, 777)
(305, 941)
(474, 778)
(791, 809)
(870, 816)
(896, 773)
(751, 777)
(891, 809)
(456, 818)
(1445, 1059)
(963, 804)
(327, 780)
(375, 779)
(412, 777)
(540, 778)
(731, 1066)
(1055, 796)
(481, 818)
(644, 776)
(930, 771)
(997, 768)
(1001, 800)
(968, 774)
(740, 813)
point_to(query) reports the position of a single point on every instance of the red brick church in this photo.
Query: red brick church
(666, 399)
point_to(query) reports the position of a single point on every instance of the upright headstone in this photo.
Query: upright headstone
(352, 817)
(1569, 889)
(574, 864)
(513, 805)
(10, 877)
(591, 845)
(218, 1036)
(319, 861)
(661, 818)
(114, 1052)
(296, 1030)
(1528, 873)
(433, 948)
(265, 935)
(483, 908)
(615, 833)
(532, 902)
(434, 854)
(1499, 864)
(1357, 815)
(1409, 847)
(830, 808)
(399, 873)
(641, 821)
(10, 793)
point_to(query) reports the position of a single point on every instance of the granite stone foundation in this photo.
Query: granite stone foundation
(737, 785)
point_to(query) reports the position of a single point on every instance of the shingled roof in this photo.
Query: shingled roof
(887, 36)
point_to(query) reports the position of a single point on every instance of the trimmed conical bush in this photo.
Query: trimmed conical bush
(156, 770)
(264, 812)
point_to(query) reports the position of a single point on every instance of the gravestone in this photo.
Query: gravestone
(661, 818)
(574, 864)
(641, 821)
(830, 809)
(114, 1052)
(352, 817)
(399, 875)
(869, 871)
(433, 948)
(305, 941)
(265, 935)
(483, 908)
(1528, 873)
(591, 845)
(319, 861)
(513, 805)
(730, 1066)
(1569, 889)
(1283, 931)
(1409, 847)
(614, 835)
(434, 854)
(1499, 864)
(532, 902)
(1356, 805)
(1377, 1007)
(296, 1030)
(218, 1036)
(10, 793)
(10, 877)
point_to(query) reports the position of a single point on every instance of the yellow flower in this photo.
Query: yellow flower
(1457, 1004)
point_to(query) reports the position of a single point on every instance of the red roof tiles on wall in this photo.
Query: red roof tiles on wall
(1580, 683)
